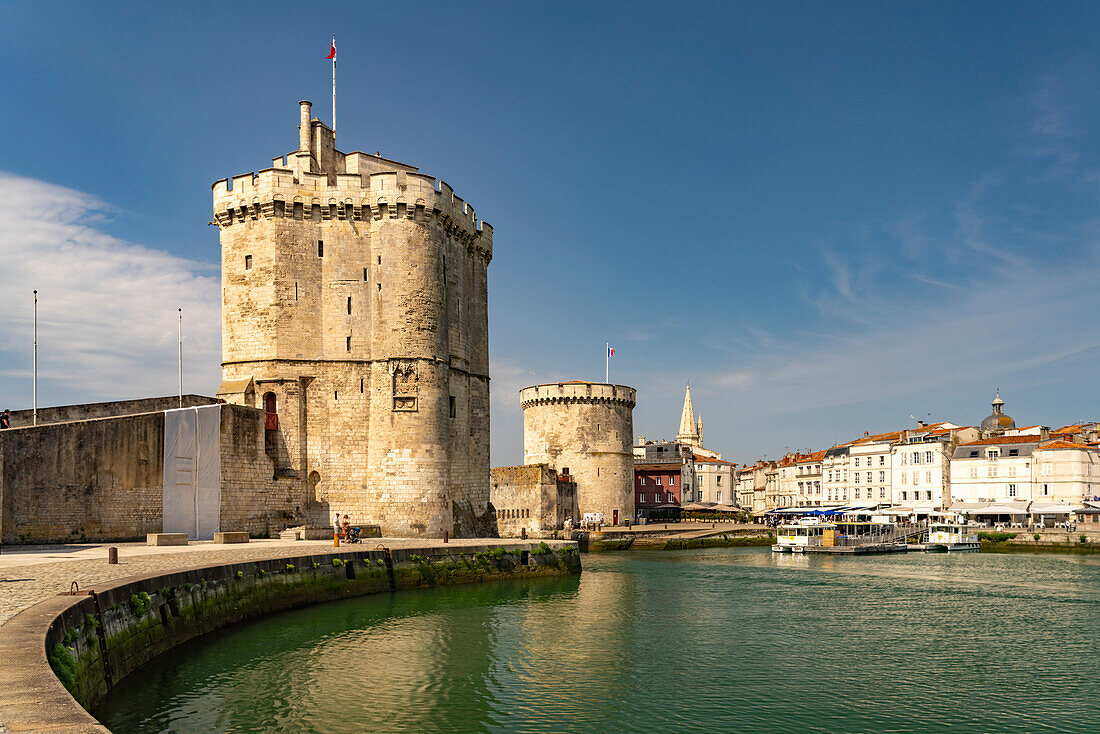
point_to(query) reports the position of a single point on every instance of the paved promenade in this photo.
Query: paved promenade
(29, 574)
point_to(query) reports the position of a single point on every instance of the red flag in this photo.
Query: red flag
(332, 51)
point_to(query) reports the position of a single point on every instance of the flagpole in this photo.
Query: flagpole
(34, 381)
(607, 363)
(181, 354)
(334, 87)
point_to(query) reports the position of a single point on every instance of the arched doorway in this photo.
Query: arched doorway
(271, 416)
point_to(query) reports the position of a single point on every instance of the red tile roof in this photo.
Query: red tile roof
(1063, 445)
(1003, 439)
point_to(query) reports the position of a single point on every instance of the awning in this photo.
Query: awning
(1053, 508)
(1001, 509)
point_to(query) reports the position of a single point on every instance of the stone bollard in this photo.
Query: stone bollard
(336, 540)
(445, 535)
(112, 555)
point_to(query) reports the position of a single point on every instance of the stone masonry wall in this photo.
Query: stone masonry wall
(531, 496)
(97, 479)
(102, 479)
(586, 430)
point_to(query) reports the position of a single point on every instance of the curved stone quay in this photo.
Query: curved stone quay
(62, 653)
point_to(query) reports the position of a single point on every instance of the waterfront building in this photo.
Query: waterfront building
(834, 475)
(808, 479)
(714, 479)
(659, 486)
(995, 469)
(871, 460)
(771, 487)
(921, 465)
(1066, 472)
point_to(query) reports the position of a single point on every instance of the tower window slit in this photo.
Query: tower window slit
(452, 409)
(366, 273)
(360, 385)
(349, 305)
(247, 262)
(335, 394)
(320, 248)
(379, 259)
(295, 291)
(349, 343)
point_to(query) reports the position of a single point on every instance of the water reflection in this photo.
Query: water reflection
(712, 640)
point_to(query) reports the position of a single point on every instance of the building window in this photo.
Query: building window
(1046, 489)
(657, 481)
(452, 407)
(349, 305)
(718, 480)
(670, 497)
(882, 476)
(993, 470)
(671, 481)
(1048, 469)
(882, 492)
(718, 496)
(1012, 490)
(641, 480)
(349, 343)
(641, 498)
(993, 454)
(366, 274)
(247, 262)
(928, 477)
(857, 493)
(927, 457)
(320, 248)
(973, 472)
(904, 495)
(882, 460)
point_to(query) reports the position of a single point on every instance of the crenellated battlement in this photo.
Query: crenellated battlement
(577, 392)
(277, 192)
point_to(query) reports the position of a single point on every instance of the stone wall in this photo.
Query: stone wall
(585, 430)
(86, 411)
(96, 479)
(532, 497)
(94, 642)
(355, 291)
(102, 479)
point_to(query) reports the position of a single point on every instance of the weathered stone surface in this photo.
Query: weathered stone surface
(531, 497)
(584, 430)
(230, 537)
(166, 539)
(355, 304)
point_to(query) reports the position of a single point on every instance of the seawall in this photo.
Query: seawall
(63, 655)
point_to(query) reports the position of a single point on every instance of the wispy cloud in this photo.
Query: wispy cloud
(107, 308)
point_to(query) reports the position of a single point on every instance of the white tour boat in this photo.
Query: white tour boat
(795, 537)
(952, 536)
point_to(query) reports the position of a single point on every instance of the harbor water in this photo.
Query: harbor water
(716, 640)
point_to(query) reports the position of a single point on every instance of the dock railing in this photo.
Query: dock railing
(893, 535)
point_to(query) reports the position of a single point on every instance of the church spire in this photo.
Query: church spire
(689, 433)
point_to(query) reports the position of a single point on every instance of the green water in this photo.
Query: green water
(711, 640)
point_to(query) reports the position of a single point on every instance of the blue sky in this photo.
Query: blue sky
(827, 217)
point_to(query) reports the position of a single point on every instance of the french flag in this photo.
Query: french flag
(332, 51)
(610, 352)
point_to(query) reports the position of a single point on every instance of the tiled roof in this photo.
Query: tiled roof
(1063, 445)
(1003, 439)
(658, 467)
(709, 460)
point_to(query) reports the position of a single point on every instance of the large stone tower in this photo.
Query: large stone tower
(354, 311)
(585, 430)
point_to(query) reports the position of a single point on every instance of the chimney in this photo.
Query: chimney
(305, 129)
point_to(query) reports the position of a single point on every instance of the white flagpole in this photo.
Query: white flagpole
(34, 381)
(334, 87)
(181, 355)
(607, 363)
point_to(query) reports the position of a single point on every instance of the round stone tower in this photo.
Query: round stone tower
(585, 430)
(354, 311)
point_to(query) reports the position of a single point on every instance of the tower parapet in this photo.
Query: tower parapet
(355, 301)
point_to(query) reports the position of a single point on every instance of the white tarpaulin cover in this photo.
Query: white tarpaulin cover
(192, 471)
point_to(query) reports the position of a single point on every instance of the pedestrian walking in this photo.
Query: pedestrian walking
(5, 419)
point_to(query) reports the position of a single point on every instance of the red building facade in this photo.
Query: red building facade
(657, 485)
